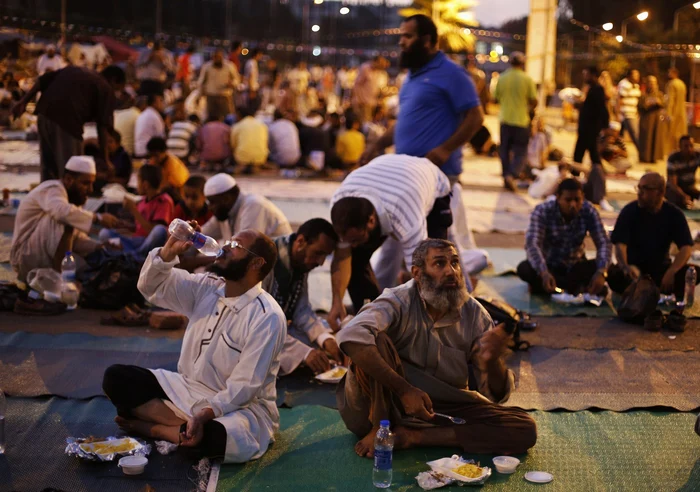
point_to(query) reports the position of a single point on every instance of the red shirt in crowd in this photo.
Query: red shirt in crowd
(182, 212)
(159, 209)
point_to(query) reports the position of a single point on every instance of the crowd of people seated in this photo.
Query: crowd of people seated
(417, 343)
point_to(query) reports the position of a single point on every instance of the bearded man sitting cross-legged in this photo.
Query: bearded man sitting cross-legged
(423, 347)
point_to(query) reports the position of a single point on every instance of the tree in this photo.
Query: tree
(452, 18)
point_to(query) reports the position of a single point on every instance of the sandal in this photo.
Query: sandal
(127, 317)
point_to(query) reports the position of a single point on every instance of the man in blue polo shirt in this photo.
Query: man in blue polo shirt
(439, 109)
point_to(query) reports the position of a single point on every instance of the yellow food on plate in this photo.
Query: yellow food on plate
(468, 470)
(338, 372)
(112, 447)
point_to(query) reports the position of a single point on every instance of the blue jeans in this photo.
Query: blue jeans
(513, 139)
(138, 245)
(632, 127)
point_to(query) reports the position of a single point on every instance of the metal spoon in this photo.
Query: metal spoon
(454, 420)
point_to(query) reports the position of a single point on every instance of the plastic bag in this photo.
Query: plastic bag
(45, 280)
(545, 183)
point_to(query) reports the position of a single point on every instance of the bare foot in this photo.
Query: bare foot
(365, 447)
(133, 426)
(404, 437)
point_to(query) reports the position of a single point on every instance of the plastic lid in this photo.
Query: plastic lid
(384, 423)
(69, 253)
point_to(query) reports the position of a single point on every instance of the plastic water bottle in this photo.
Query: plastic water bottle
(68, 268)
(690, 280)
(184, 232)
(383, 451)
(3, 411)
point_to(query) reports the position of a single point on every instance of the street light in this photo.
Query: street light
(608, 26)
(642, 16)
(315, 28)
(676, 19)
(318, 2)
(619, 38)
(676, 14)
(345, 10)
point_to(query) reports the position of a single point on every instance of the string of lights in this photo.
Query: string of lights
(475, 31)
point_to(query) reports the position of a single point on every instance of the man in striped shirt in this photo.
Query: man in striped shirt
(554, 245)
(629, 93)
(395, 200)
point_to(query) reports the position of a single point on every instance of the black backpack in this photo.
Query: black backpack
(639, 300)
(111, 282)
(515, 320)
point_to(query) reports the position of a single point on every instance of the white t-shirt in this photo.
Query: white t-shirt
(149, 124)
(46, 64)
(285, 149)
(252, 75)
(125, 124)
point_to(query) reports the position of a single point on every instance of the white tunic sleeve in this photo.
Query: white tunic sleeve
(53, 201)
(260, 351)
(171, 288)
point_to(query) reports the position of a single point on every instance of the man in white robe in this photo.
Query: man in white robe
(222, 398)
(50, 220)
(310, 342)
(235, 211)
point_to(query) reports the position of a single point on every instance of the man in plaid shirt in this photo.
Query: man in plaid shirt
(554, 245)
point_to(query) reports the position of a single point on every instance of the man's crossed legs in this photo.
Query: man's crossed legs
(490, 428)
(139, 400)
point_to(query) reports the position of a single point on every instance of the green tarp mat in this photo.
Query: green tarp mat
(511, 289)
(584, 451)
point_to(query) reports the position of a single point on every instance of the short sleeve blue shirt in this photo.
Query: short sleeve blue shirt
(432, 102)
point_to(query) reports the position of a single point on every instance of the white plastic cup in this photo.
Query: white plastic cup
(506, 464)
(133, 465)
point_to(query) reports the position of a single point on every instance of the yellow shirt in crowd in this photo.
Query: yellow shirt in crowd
(175, 172)
(249, 142)
(349, 146)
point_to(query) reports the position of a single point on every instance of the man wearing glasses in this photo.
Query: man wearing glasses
(222, 398)
(643, 235)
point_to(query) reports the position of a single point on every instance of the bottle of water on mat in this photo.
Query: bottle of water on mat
(690, 280)
(383, 451)
(68, 268)
(185, 232)
(3, 410)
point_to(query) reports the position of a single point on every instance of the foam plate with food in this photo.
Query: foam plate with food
(333, 375)
(462, 470)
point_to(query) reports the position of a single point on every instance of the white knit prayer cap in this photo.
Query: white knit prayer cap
(219, 183)
(84, 164)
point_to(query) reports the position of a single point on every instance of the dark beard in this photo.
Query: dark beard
(234, 270)
(443, 298)
(416, 57)
(221, 215)
(75, 198)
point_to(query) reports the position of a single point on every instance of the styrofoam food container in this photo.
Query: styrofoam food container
(133, 465)
(506, 464)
